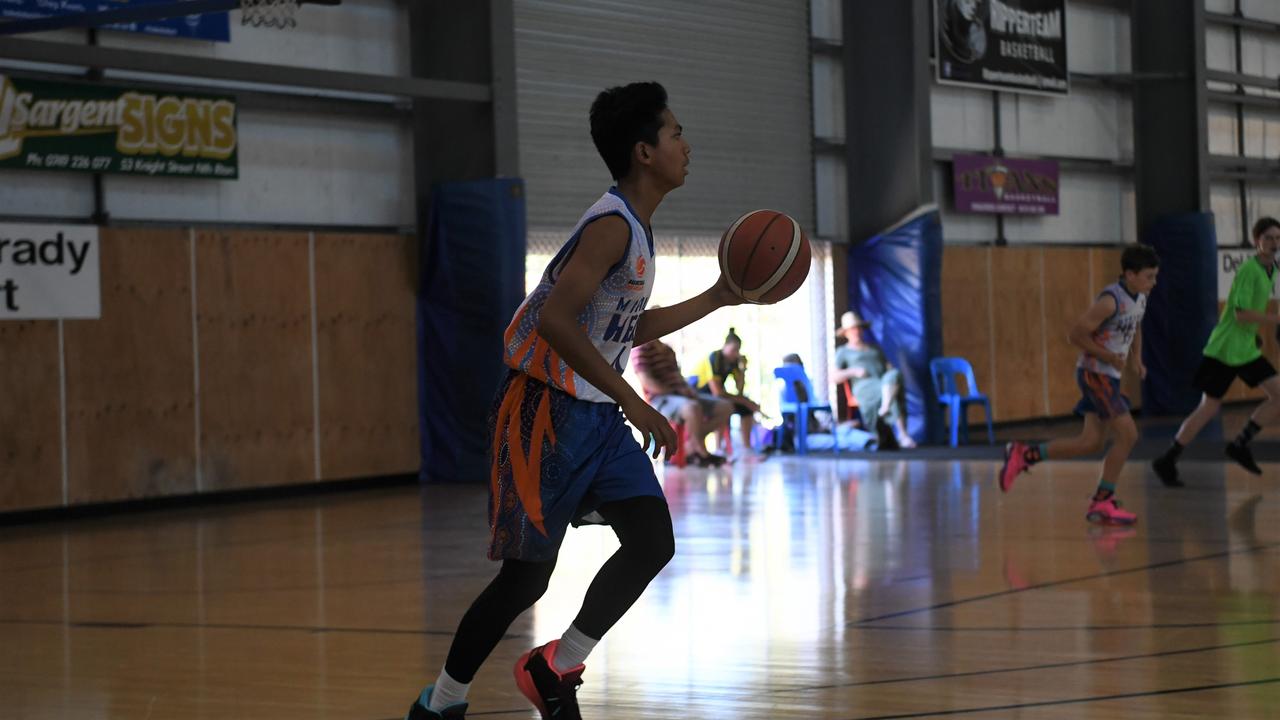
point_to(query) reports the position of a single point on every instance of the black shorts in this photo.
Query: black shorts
(1213, 377)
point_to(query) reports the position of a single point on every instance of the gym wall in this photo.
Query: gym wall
(1250, 132)
(254, 332)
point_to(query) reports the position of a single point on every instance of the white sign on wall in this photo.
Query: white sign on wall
(49, 272)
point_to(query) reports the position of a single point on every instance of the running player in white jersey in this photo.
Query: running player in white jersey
(561, 451)
(1106, 333)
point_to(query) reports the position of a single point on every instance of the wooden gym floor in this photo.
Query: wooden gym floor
(801, 588)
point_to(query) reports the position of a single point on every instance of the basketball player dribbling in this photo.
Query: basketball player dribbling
(561, 452)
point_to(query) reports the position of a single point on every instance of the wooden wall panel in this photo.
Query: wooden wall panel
(966, 313)
(1104, 268)
(30, 415)
(1018, 326)
(130, 384)
(1067, 295)
(254, 322)
(367, 356)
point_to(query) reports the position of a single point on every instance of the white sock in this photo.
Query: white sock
(573, 649)
(447, 692)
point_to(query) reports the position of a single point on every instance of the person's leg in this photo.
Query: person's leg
(1089, 441)
(1124, 435)
(1166, 466)
(1212, 378)
(893, 407)
(1260, 374)
(1195, 422)
(549, 675)
(746, 423)
(890, 385)
(717, 413)
(1099, 394)
(1020, 455)
(647, 544)
(1104, 509)
(517, 586)
(867, 393)
(690, 413)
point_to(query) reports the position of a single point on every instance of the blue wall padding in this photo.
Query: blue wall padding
(472, 281)
(895, 281)
(1181, 311)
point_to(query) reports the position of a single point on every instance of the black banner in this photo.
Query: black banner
(1018, 45)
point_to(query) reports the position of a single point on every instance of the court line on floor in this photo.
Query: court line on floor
(992, 708)
(290, 540)
(1069, 628)
(1070, 701)
(1065, 581)
(1029, 668)
(126, 625)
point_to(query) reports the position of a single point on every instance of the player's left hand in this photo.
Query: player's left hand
(723, 295)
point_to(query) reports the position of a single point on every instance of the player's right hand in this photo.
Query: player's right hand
(655, 432)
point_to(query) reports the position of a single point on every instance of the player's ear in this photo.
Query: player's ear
(642, 152)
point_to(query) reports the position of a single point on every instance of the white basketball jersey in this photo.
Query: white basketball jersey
(1116, 333)
(609, 319)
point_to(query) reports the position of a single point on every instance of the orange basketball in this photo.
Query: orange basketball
(765, 256)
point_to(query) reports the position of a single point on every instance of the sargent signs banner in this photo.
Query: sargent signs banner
(1018, 45)
(49, 272)
(98, 128)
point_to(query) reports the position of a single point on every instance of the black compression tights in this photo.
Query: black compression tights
(643, 526)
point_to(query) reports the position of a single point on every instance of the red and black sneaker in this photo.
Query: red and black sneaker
(554, 694)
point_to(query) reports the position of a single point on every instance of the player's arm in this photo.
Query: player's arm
(602, 245)
(1135, 353)
(1234, 300)
(1253, 316)
(662, 321)
(740, 377)
(1081, 334)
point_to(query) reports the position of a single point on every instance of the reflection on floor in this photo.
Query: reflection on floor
(801, 588)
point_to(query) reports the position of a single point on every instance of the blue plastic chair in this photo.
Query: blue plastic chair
(793, 376)
(944, 371)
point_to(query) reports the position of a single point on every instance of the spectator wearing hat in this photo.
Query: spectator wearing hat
(877, 385)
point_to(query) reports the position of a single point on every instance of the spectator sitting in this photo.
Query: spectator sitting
(670, 394)
(713, 374)
(877, 385)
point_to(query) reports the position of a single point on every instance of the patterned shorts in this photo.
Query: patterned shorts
(1100, 395)
(555, 458)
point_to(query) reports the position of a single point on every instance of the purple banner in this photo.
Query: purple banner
(987, 184)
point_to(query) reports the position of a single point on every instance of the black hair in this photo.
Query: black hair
(623, 116)
(732, 338)
(1263, 225)
(1137, 258)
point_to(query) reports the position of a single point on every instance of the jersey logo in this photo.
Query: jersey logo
(640, 266)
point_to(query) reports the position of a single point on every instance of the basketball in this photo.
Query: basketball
(764, 256)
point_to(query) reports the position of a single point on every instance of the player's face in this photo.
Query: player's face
(1268, 244)
(730, 351)
(1141, 281)
(670, 157)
